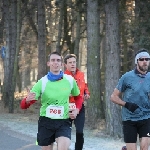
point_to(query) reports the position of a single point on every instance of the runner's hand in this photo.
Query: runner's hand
(86, 96)
(73, 113)
(30, 96)
(131, 106)
(28, 90)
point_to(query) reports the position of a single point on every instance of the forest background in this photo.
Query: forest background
(104, 34)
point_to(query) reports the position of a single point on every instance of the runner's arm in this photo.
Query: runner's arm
(86, 90)
(78, 101)
(115, 97)
(32, 96)
(24, 104)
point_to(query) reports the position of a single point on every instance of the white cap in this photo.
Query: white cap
(141, 54)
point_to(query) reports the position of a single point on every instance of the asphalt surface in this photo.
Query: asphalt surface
(18, 132)
(11, 140)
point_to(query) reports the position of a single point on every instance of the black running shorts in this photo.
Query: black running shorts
(133, 128)
(50, 129)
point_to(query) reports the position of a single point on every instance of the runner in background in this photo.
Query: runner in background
(70, 65)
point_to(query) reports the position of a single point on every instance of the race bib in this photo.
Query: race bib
(72, 106)
(55, 112)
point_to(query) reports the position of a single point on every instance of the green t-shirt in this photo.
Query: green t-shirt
(55, 96)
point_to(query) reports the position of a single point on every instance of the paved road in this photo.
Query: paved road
(11, 140)
(18, 132)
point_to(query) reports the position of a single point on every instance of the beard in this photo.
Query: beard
(143, 68)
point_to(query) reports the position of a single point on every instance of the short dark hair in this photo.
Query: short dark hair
(56, 53)
(141, 50)
(69, 56)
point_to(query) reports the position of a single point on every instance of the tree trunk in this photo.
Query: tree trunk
(94, 106)
(78, 26)
(124, 62)
(12, 38)
(113, 111)
(141, 28)
(6, 59)
(16, 71)
(41, 39)
(60, 25)
(1, 23)
(28, 13)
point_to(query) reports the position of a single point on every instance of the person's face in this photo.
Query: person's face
(143, 64)
(71, 64)
(55, 63)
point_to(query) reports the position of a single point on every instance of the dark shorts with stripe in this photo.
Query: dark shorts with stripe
(50, 129)
(133, 128)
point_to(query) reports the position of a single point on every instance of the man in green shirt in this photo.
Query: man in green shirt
(54, 89)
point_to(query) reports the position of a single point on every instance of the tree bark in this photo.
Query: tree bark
(113, 111)
(41, 39)
(6, 59)
(94, 106)
(12, 40)
(78, 27)
(141, 29)
(60, 25)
